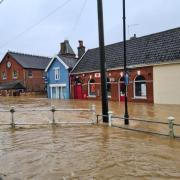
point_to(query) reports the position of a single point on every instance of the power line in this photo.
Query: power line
(78, 18)
(35, 24)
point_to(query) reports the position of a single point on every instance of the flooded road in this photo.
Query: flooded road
(85, 152)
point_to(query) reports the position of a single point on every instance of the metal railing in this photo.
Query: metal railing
(53, 109)
(170, 124)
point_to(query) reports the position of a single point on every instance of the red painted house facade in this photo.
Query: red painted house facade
(88, 85)
(24, 70)
(144, 55)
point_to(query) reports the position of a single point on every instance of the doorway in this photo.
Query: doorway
(122, 89)
(58, 93)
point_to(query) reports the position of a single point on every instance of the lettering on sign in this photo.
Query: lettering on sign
(97, 75)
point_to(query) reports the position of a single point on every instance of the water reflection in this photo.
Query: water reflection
(86, 152)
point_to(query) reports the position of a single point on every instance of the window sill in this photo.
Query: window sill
(91, 96)
(139, 97)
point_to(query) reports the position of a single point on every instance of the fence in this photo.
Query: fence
(170, 124)
(53, 109)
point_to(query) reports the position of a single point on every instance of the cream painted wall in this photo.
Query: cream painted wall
(166, 84)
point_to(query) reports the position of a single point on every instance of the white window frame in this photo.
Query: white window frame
(4, 75)
(89, 95)
(15, 77)
(109, 96)
(61, 86)
(57, 73)
(134, 87)
(30, 75)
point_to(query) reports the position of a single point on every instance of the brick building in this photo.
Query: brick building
(153, 64)
(22, 72)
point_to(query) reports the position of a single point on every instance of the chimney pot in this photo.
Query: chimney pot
(133, 37)
(81, 43)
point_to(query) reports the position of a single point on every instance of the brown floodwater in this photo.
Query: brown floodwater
(85, 152)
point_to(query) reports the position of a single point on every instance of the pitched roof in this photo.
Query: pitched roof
(69, 61)
(30, 61)
(151, 49)
(11, 85)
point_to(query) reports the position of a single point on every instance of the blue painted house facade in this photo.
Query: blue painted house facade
(58, 82)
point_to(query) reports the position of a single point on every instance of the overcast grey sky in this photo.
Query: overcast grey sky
(70, 22)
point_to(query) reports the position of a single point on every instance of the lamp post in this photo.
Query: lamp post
(102, 62)
(126, 77)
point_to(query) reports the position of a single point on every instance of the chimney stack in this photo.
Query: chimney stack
(62, 48)
(81, 49)
(66, 49)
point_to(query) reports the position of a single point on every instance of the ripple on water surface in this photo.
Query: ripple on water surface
(86, 152)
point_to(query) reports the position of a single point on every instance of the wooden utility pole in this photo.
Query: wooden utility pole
(102, 62)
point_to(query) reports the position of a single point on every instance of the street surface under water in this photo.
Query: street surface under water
(85, 152)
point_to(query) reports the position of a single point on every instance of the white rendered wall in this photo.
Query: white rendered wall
(166, 84)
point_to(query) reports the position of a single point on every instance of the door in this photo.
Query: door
(58, 93)
(122, 89)
(53, 95)
(78, 91)
(122, 92)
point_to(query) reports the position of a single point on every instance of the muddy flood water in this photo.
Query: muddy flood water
(85, 151)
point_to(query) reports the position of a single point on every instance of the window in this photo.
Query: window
(29, 73)
(57, 73)
(91, 88)
(122, 86)
(140, 87)
(108, 87)
(4, 76)
(15, 74)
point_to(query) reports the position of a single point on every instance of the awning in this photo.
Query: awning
(11, 85)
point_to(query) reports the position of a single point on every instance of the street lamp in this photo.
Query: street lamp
(126, 76)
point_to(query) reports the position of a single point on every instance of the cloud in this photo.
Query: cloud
(17, 15)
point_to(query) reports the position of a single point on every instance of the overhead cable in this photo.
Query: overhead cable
(35, 24)
(78, 18)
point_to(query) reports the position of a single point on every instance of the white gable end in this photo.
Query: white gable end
(52, 60)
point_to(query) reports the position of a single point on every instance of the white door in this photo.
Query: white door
(53, 93)
(57, 93)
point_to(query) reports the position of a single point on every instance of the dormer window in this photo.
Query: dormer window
(4, 76)
(15, 74)
(57, 73)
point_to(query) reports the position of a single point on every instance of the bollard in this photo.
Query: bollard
(93, 109)
(53, 109)
(110, 113)
(12, 110)
(171, 128)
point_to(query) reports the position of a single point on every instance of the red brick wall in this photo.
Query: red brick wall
(115, 76)
(34, 83)
(9, 71)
